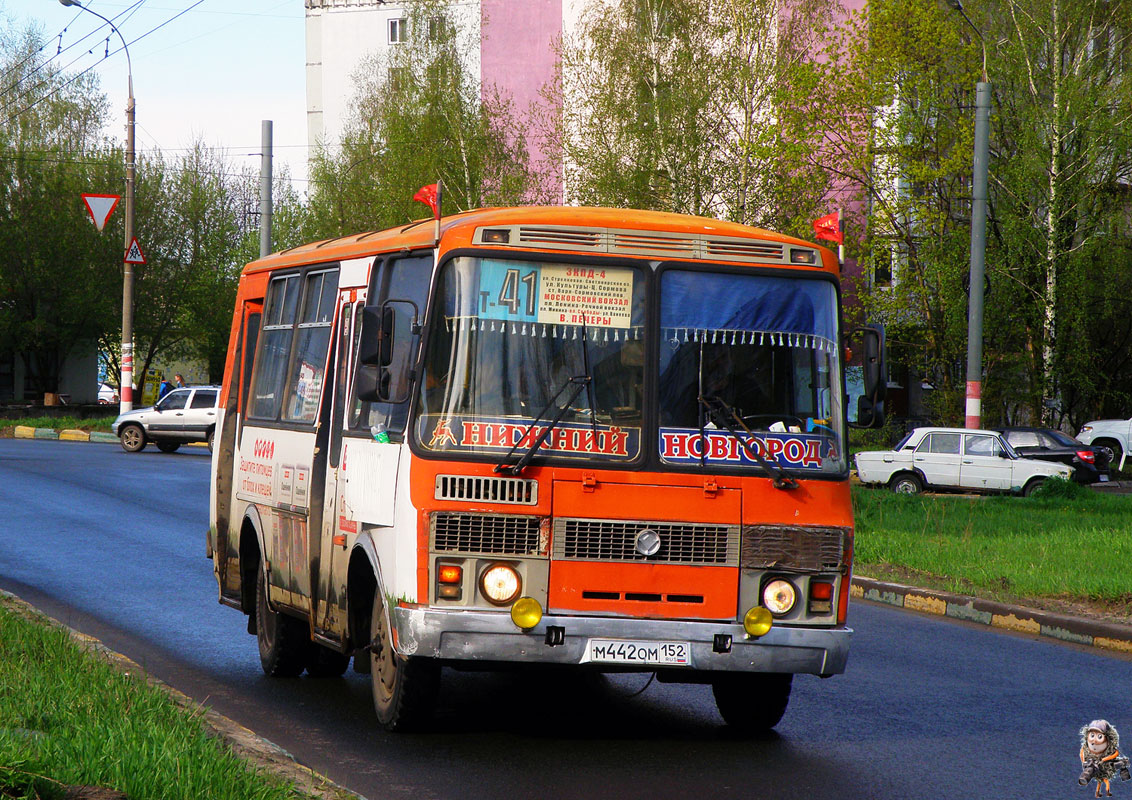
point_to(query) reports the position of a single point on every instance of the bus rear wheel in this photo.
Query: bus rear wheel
(283, 641)
(404, 689)
(752, 702)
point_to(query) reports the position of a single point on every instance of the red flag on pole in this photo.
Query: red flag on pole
(829, 227)
(429, 195)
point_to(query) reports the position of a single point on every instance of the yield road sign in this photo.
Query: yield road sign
(134, 255)
(100, 206)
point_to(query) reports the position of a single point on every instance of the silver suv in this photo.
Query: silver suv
(182, 416)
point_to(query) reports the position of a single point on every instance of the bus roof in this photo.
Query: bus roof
(588, 225)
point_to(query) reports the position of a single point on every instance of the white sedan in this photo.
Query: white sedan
(954, 459)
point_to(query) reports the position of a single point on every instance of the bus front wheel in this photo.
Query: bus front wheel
(752, 702)
(404, 689)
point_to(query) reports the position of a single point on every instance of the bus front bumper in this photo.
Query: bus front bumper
(486, 636)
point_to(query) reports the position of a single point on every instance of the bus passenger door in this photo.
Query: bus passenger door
(330, 609)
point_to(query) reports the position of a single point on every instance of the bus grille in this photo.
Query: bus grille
(810, 549)
(487, 490)
(615, 540)
(501, 535)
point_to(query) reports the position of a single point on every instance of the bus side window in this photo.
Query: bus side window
(274, 347)
(307, 371)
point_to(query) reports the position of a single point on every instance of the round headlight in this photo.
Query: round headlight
(500, 584)
(779, 596)
(526, 613)
(757, 621)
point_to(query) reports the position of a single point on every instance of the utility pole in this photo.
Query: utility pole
(265, 207)
(974, 406)
(126, 390)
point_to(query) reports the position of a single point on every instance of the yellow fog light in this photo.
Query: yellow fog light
(757, 621)
(526, 613)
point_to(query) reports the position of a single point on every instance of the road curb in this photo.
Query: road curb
(1078, 630)
(75, 435)
(245, 743)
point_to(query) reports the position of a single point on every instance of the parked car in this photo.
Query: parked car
(1112, 434)
(1089, 462)
(107, 394)
(184, 415)
(954, 459)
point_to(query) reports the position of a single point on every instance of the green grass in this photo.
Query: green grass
(69, 718)
(7, 426)
(1058, 546)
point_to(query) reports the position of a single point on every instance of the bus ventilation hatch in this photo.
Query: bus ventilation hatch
(517, 491)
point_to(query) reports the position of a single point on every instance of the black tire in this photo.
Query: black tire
(754, 702)
(211, 438)
(132, 438)
(404, 689)
(1030, 487)
(284, 642)
(1115, 453)
(322, 662)
(906, 483)
(168, 447)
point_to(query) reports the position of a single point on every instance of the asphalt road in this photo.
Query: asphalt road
(113, 545)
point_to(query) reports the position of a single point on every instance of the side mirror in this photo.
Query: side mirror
(874, 376)
(385, 351)
(375, 347)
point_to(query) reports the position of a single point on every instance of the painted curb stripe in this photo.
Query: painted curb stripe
(1109, 635)
(72, 435)
(24, 432)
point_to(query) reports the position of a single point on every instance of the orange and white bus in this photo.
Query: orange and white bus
(574, 436)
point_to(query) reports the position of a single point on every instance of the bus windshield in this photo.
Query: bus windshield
(749, 362)
(508, 335)
(748, 369)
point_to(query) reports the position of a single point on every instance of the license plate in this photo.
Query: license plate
(612, 651)
(1103, 477)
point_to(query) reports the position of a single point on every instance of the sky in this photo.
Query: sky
(212, 69)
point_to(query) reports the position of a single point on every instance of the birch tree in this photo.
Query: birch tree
(699, 107)
(419, 115)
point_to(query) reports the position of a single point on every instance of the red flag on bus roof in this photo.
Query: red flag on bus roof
(429, 195)
(829, 227)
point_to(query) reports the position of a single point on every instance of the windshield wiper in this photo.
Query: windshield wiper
(579, 382)
(718, 410)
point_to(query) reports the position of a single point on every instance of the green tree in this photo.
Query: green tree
(417, 116)
(697, 106)
(901, 83)
(1062, 74)
(1058, 244)
(55, 269)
